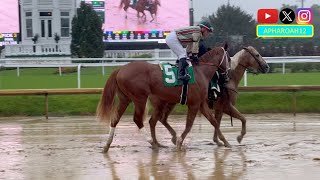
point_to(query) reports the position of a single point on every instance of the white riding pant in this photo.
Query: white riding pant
(175, 45)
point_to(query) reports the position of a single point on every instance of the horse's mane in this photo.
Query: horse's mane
(208, 55)
(235, 59)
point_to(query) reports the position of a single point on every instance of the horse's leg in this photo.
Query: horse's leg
(145, 16)
(233, 111)
(161, 112)
(126, 10)
(218, 116)
(205, 110)
(151, 17)
(139, 110)
(123, 104)
(158, 110)
(192, 112)
(164, 120)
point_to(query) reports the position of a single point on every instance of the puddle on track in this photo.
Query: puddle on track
(276, 146)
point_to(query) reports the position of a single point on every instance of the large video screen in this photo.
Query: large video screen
(125, 19)
(9, 22)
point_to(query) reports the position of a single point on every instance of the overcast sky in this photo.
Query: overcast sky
(207, 7)
(9, 11)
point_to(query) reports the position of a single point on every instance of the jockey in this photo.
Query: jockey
(134, 2)
(187, 37)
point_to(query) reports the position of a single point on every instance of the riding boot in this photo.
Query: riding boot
(183, 75)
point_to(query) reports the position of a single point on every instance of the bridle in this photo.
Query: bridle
(224, 59)
(254, 56)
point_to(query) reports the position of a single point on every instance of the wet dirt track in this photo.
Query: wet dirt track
(277, 146)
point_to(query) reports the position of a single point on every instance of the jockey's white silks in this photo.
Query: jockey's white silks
(175, 45)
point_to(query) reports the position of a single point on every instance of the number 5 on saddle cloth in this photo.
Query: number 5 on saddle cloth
(170, 78)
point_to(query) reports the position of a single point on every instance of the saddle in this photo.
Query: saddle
(215, 88)
(170, 78)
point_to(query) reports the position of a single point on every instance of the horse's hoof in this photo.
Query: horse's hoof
(157, 146)
(227, 145)
(106, 148)
(179, 143)
(174, 140)
(219, 143)
(239, 139)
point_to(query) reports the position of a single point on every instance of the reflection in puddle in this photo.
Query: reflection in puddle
(275, 147)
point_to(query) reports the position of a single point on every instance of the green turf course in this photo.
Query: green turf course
(60, 105)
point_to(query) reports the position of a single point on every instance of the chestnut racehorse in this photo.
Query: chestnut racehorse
(248, 57)
(136, 81)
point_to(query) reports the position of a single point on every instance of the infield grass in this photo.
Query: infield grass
(61, 105)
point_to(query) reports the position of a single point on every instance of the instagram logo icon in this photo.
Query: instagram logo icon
(304, 15)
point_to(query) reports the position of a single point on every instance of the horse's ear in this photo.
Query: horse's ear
(225, 46)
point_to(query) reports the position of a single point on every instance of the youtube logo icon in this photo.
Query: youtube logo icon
(267, 16)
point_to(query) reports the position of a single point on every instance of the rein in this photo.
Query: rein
(207, 63)
(255, 58)
(242, 65)
(225, 55)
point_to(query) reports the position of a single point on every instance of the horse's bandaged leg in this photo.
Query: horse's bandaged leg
(146, 135)
(111, 135)
(109, 141)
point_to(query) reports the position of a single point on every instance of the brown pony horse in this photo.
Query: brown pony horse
(140, 7)
(246, 58)
(138, 80)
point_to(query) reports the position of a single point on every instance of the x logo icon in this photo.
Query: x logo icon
(287, 16)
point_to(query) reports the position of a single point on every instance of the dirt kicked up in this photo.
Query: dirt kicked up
(277, 146)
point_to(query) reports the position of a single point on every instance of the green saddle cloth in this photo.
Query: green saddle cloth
(170, 75)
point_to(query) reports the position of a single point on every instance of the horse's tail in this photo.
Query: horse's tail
(106, 110)
(121, 4)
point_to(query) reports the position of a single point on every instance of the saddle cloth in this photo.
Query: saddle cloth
(170, 74)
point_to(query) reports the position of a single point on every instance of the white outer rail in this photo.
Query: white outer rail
(43, 62)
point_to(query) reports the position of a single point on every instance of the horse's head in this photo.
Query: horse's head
(250, 58)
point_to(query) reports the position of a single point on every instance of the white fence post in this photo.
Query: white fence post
(18, 71)
(245, 78)
(60, 73)
(102, 68)
(79, 79)
(283, 68)
(157, 54)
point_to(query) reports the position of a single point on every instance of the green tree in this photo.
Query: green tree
(316, 20)
(87, 34)
(231, 20)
